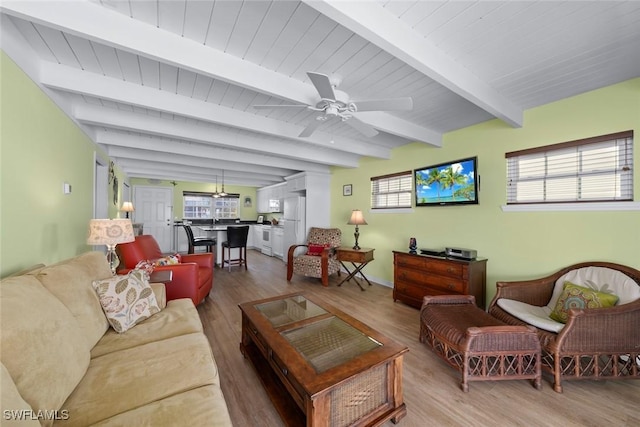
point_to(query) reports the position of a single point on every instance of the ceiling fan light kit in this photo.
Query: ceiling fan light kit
(336, 104)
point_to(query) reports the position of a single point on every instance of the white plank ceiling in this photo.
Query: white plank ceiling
(167, 87)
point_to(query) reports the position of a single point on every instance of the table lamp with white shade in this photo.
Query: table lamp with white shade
(356, 219)
(126, 208)
(110, 232)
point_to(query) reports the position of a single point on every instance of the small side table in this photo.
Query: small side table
(162, 276)
(358, 258)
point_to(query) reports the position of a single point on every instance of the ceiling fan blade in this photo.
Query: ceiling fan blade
(311, 127)
(261, 107)
(391, 104)
(361, 127)
(322, 84)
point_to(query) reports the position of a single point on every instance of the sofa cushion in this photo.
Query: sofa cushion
(126, 300)
(531, 314)
(70, 281)
(180, 317)
(202, 406)
(575, 296)
(43, 347)
(15, 411)
(125, 380)
(601, 279)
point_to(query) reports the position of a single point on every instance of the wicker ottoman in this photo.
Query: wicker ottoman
(478, 345)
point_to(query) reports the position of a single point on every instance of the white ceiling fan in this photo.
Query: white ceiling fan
(336, 104)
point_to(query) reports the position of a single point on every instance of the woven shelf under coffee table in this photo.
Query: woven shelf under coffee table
(320, 366)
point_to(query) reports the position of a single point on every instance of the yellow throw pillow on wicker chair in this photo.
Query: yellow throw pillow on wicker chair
(574, 296)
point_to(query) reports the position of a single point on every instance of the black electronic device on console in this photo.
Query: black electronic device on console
(434, 252)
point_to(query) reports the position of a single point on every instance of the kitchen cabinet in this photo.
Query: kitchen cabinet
(250, 237)
(276, 197)
(262, 200)
(270, 199)
(277, 243)
(296, 183)
(257, 236)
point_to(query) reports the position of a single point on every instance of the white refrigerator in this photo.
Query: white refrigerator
(295, 228)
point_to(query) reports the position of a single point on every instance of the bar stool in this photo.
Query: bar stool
(209, 242)
(236, 238)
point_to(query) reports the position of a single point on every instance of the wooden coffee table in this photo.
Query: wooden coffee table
(320, 366)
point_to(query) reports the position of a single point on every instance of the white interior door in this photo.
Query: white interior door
(154, 209)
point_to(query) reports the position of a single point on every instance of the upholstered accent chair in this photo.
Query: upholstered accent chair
(600, 301)
(192, 277)
(318, 258)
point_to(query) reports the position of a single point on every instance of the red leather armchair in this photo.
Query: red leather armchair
(193, 278)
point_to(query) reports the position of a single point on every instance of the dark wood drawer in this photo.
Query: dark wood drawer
(431, 265)
(294, 388)
(257, 338)
(446, 284)
(424, 278)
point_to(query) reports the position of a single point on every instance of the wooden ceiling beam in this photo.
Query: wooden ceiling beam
(372, 22)
(98, 23)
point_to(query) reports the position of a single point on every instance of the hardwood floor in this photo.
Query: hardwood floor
(431, 388)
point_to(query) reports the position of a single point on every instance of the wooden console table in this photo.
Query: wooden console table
(358, 258)
(415, 276)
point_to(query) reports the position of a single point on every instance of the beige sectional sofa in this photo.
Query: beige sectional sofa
(63, 365)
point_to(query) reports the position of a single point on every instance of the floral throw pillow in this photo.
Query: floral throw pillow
(126, 300)
(574, 296)
(145, 265)
(168, 260)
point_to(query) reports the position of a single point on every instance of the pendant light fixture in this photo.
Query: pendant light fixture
(216, 194)
(222, 193)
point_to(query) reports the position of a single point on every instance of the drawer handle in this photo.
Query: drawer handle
(450, 270)
(255, 331)
(285, 371)
(270, 353)
(450, 286)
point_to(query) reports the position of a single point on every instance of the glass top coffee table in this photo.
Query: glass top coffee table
(320, 366)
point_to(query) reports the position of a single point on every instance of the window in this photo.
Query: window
(588, 170)
(391, 191)
(207, 206)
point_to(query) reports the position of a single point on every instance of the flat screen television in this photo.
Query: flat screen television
(451, 183)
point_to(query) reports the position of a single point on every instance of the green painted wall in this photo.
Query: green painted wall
(40, 149)
(517, 244)
(247, 213)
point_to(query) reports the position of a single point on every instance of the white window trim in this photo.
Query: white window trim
(581, 206)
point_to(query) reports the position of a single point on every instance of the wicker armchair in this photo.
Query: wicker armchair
(594, 344)
(321, 265)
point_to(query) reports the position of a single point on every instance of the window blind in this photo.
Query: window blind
(587, 170)
(391, 191)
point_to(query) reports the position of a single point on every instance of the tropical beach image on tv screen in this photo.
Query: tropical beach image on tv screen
(448, 183)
